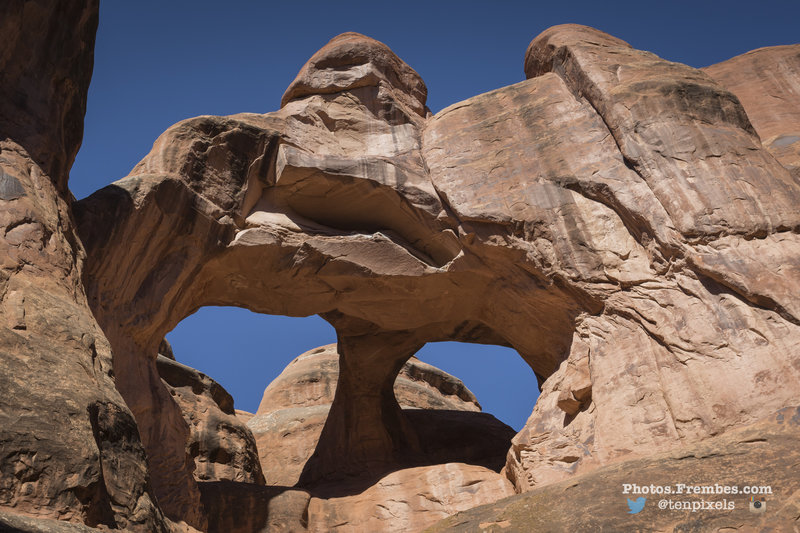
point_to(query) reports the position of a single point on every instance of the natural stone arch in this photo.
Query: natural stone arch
(211, 217)
(711, 211)
(182, 252)
(353, 203)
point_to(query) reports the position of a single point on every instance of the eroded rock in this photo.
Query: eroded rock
(629, 225)
(70, 454)
(464, 451)
(605, 218)
(220, 444)
(296, 404)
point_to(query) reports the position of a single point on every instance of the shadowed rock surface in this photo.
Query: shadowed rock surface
(69, 446)
(221, 445)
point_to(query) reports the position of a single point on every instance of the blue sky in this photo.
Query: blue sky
(160, 62)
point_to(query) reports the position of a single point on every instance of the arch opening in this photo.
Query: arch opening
(284, 373)
(501, 380)
(255, 350)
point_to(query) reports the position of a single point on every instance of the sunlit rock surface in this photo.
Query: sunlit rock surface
(629, 225)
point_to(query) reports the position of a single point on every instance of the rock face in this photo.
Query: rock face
(636, 252)
(295, 407)
(767, 82)
(44, 99)
(220, 444)
(69, 446)
(629, 225)
(409, 499)
(701, 309)
(465, 449)
(757, 455)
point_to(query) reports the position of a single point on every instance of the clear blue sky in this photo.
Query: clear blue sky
(160, 62)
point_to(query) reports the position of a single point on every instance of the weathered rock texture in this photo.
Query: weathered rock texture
(763, 454)
(221, 445)
(464, 451)
(295, 407)
(618, 219)
(767, 82)
(69, 446)
(45, 69)
(614, 218)
(709, 307)
(409, 499)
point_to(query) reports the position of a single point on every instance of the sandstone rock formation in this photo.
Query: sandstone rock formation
(221, 445)
(69, 446)
(635, 252)
(409, 499)
(295, 407)
(629, 225)
(767, 81)
(761, 454)
(465, 449)
(702, 308)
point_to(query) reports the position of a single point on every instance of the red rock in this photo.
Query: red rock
(45, 69)
(474, 226)
(295, 407)
(351, 61)
(688, 138)
(220, 444)
(616, 219)
(69, 446)
(765, 81)
(759, 454)
(287, 426)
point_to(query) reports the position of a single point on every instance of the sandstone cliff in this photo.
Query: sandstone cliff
(69, 446)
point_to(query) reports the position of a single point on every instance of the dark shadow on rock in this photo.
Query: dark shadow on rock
(244, 507)
(17, 523)
(462, 437)
(90, 212)
(446, 436)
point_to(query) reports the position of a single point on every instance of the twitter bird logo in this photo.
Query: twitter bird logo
(636, 505)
